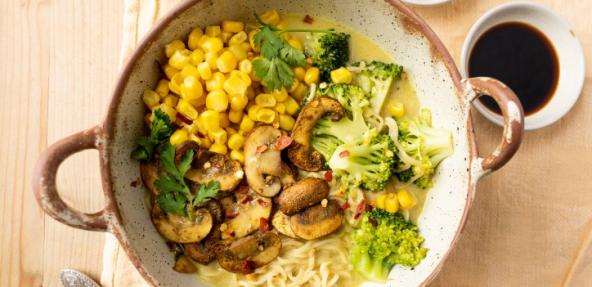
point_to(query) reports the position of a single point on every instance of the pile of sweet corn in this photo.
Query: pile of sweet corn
(211, 93)
(393, 201)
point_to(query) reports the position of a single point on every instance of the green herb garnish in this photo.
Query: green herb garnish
(160, 130)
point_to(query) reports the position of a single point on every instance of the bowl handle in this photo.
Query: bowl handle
(44, 181)
(513, 121)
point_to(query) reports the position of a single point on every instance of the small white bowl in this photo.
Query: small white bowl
(567, 47)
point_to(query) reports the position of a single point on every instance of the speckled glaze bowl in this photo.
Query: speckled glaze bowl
(400, 32)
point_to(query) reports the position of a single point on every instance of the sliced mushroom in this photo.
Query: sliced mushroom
(304, 193)
(182, 229)
(216, 210)
(262, 161)
(317, 221)
(246, 213)
(150, 173)
(247, 254)
(181, 149)
(217, 167)
(301, 152)
(288, 177)
(184, 265)
(205, 251)
(281, 223)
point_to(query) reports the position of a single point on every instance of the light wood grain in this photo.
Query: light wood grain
(59, 60)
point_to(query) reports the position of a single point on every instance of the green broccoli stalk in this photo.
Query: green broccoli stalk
(376, 79)
(328, 51)
(367, 163)
(427, 146)
(383, 240)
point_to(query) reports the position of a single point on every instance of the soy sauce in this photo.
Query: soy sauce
(523, 58)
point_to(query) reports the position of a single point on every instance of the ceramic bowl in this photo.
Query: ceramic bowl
(405, 36)
(569, 51)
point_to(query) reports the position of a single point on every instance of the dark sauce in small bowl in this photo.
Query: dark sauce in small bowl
(520, 56)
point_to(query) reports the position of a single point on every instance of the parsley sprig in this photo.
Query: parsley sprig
(175, 196)
(160, 130)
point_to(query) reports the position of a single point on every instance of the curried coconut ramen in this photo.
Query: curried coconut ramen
(287, 151)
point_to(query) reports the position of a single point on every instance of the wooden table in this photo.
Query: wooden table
(530, 223)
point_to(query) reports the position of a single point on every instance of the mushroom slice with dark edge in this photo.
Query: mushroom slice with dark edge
(288, 176)
(301, 152)
(219, 168)
(281, 223)
(150, 174)
(247, 254)
(184, 265)
(205, 251)
(317, 221)
(182, 229)
(246, 212)
(263, 161)
(304, 193)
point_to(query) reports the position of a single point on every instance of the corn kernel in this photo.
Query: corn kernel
(219, 135)
(380, 201)
(286, 122)
(218, 148)
(238, 52)
(280, 108)
(224, 121)
(406, 199)
(169, 71)
(237, 155)
(238, 102)
(299, 72)
(245, 66)
(280, 95)
(247, 47)
(186, 109)
(396, 109)
(231, 131)
(217, 100)
(189, 70)
(211, 58)
(226, 62)
(176, 83)
(172, 47)
(162, 88)
(300, 92)
(270, 17)
(210, 120)
(205, 142)
(216, 82)
(294, 86)
(179, 59)
(198, 102)
(204, 71)
(265, 100)
(170, 111)
(212, 44)
(246, 125)
(341, 76)
(196, 57)
(170, 101)
(238, 38)
(225, 36)
(265, 115)
(295, 43)
(232, 26)
(391, 203)
(243, 76)
(191, 88)
(179, 136)
(292, 106)
(252, 111)
(235, 116)
(235, 85)
(213, 31)
(282, 26)
(252, 40)
(236, 141)
(150, 98)
(312, 75)
(194, 36)
(202, 40)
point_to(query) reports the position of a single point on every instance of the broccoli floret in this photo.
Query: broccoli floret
(383, 240)
(367, 163)
(376, 79)
(428, 146)
(328, 51)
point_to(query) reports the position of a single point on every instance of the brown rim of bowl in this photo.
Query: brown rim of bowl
(109, 128)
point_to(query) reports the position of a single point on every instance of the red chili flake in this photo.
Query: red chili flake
(328, 176)
(283, 142)
(247, 267)
(262, 202)
(307, 19)
(135, 183)
(345, 205)
(262, 148)
(359, 209)
(247, 198)
(344, 154)
(263, 224)
(184, 119)
(243, 189)
(229, 213)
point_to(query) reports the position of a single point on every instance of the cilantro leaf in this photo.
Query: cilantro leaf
(168, 184)
(206, 192)
(275, 73)
(160, 129)
(292, 56)
(171, 203)
(185, 162)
